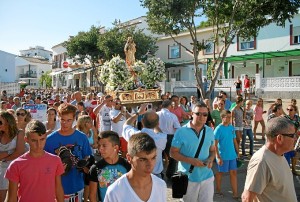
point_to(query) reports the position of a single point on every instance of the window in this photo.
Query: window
(246, 44)
(174, 51)
(176, 74)
(210, 48)
(295, 35)
(296, 39)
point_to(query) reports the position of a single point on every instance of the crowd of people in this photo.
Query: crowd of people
(138, 148)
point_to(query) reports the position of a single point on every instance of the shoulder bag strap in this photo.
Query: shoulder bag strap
(199, 148)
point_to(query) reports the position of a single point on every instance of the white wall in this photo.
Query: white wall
(296, 69)
(37, 51)
(58, 49)
(22, 66)
(7, 67)
(270, 38)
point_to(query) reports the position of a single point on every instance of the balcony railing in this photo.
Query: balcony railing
(27, 75)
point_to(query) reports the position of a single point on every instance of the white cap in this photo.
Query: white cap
(99, 94)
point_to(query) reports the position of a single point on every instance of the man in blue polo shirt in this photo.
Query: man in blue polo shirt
(184, 146)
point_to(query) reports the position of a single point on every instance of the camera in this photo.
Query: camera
(149, 106)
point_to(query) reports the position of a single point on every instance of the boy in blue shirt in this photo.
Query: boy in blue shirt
(226, 153)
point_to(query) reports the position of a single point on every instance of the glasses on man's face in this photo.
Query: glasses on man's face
(20, 114)
(293, 135)
(201, 113)
(290, 109)
(118, 103)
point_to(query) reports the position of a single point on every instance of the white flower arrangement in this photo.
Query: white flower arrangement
(115, 73)
(153, 71)
(104, 72)
(138, 67)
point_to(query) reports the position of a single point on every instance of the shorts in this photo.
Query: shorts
(123, 144)
(238, 128)
(247, 90)
(227, 166)
(74, 197)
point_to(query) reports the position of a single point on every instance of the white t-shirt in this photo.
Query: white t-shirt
(168, 121)
(117, 127)
(121, 191)
(105, 122)
(160, 140)
(57, 125)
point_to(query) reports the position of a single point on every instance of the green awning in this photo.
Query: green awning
(263, 55)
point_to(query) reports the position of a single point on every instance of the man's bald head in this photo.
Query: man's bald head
(150, 119)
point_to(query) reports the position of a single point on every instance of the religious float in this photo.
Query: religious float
(134, 82)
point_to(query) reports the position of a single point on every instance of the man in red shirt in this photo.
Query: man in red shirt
(247, 87)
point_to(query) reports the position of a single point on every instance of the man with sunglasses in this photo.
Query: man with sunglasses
(292, 156)
(268, 176)
(184, 146)
(102, 110)
(118, 116)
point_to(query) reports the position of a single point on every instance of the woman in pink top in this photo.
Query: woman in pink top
(258, 112)
(177, 110)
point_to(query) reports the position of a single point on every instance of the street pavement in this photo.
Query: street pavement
(242, 171)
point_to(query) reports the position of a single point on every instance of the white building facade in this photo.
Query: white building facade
(7, 67)
(29, 70)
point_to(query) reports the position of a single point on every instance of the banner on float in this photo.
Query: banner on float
(37, 111)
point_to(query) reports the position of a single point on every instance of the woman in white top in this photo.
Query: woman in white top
(12, 145)
(52, 123)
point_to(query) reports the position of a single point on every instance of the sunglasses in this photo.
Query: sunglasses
(293, 135)
(290, 110)
(21, 114)
(201, 113)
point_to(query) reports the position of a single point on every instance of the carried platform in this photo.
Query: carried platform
(137, 96)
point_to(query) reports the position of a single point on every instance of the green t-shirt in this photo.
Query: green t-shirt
(215, 115)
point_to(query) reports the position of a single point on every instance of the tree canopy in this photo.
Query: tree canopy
(113, 42)
(229, 18)
(46, 80)
(84, 45)
(94, 46)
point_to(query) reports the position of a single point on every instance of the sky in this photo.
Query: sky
(31, 23)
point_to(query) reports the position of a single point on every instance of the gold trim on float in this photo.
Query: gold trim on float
(137, 96)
